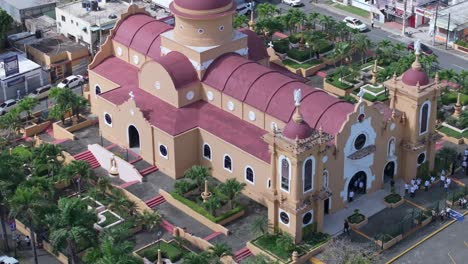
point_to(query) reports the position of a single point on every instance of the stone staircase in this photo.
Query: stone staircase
(242, 254)
(89, 158)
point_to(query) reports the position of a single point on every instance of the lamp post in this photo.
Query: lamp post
(403, 29)
(310, 51)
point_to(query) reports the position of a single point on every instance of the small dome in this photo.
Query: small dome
(300, 130)
(202, 5)
(412, 77)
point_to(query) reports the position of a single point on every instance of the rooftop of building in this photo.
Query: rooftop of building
(24, 64)
(25, 4)
(458, 16)
(50, 43)
(107, 10)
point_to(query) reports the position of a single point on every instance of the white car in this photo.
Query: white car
(355, 23)
(71, 81)
(8, 260)
(7, 106)
(292, 2)
(244, 8)
(40, 93)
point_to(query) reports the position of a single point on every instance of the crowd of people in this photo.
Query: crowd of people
(464, 161)
(417, 184)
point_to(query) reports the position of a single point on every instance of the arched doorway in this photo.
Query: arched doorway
(133, 137)
(389, 171)
(354, 183)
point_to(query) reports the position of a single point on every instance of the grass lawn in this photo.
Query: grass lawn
(315, 239)
(374, 90)
(268, 243)
(333, 80)
(168, 250)
(305, 65)
(381, 97)
(354, 10)
(452, 133)
(91, 203)
(110, 218)
(451, 98)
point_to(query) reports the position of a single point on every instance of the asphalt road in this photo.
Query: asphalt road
(448, 246)
(446, 59)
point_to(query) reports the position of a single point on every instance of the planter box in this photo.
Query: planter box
(453, 140)
(257, 251)
(359, 225)
(231, 218)
(423, 222)
(460, 48)
(35, 129)
(394, 205)
(389, 243)
(67, 133)
(335, 90)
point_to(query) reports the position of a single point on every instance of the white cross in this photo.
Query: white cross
(132, 96)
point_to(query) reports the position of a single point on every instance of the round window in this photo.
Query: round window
(210, 95)
(221, 28)
(119, 51)
(361, 117)
(97, 89)
(252, 116)
(108, 119)
(307, 218)
(201, 31)
(163, 150)
(421, 158)
(230, 105)
(284, 218)
(360, 142)
(190, 95)
(136, 59)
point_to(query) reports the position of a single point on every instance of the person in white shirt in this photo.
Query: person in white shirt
(448, 181)
(351, 196)
(442, 179)
(412, 190)
(412, 182)
(406, 188)
(418, 181)
(426, 185)
(432, 179)
(361, 187)
(446, 187)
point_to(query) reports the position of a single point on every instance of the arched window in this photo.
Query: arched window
(424, 117)
(308, 174)
(269, 183)
(325, 179)
(285, 174)
(249, 174)
(97, 89)
(206, 151)
(227, 163)
(391, 147)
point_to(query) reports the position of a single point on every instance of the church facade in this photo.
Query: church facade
(202, 93)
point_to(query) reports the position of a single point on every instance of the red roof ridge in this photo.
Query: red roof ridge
(303, 99)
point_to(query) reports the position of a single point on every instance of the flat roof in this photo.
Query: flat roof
(101, 17)
(51, 43)
(458, 17)
(24, 64)
(25, 4)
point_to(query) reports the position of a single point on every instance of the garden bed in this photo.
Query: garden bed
(107, 219)
(169, 250)
(454, 134)
(268, 244)
(93, 204)
(393, 200)
(388, 241)
(451, 98)
(357, 220)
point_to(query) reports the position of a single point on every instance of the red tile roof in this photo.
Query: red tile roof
(128, 28)
(118, 71)
(146, 35)
(179, 68)
(175, 121)
(257, 50)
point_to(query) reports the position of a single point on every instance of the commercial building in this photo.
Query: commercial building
(20, 10)
(18, 75)
(88, 22)
(201, 93)
(452, 22)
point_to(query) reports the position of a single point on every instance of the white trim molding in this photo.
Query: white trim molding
(280, 172)
(428, 103)
(312, 159)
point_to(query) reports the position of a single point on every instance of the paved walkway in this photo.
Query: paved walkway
(368, 205)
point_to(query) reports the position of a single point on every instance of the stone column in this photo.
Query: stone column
(318, 215)
(273, 173)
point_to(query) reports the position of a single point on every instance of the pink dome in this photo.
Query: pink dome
(300, 130)
(413, 76)
(202, 5)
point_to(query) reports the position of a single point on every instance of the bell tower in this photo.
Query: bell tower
(203, 31)
(296, 195)
(414, 95)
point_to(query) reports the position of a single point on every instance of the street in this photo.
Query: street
(446, 59)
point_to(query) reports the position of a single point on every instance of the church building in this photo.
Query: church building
(203, 93)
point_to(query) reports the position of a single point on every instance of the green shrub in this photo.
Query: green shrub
(299, 55)
(168, 250)
(392, 198)
(462, 43)
(451, 98)
(294, 38)
(325, 48)
(356, 217)
(281, 46)
(349, 99)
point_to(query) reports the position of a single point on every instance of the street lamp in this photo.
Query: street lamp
(310, 51)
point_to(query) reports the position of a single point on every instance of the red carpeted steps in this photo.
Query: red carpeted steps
(125, 185)
(148, 170)
(88, 157)
(155, 201)
(215, 234)
(242, 254)
(167, 226)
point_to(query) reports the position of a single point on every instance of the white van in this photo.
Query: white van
(8, 260)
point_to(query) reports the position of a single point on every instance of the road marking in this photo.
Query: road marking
(453, 261)
(458, 66)
(414, 204)
(466, 244)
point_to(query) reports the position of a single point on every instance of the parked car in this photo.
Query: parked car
(355, 23)
(7, 106)
(244, 7)
(40, 93)
(424, 49)
(8, 260)
(292, 2)
(71, 81)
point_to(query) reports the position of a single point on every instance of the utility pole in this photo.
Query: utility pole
(448, 32)
(403, 30)
(435, 24)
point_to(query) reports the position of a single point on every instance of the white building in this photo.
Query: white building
(89, 22)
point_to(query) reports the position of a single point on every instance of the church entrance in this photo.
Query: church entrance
(358, 184)
(389, 171)
(133, 137)
(326, 206)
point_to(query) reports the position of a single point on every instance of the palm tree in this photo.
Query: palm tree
(121, 204)
(71, 225)
(361, 44)
(231, 188)
(103, 184)
(312, 18)
(463, 80)
(63, 102)
(293, 20)
(26, 204)
(111, 251)
(286, 242)
(78, 171)
(198, 174)
(447, 155)
(268, 26)
(399, 49)
(265, 10)
(259, 225)
(327, 23)
(212, 204)
(449, 75)
(194, 258)
(47, 158)
(340, 52)
(11, 123)
(220, 250)
(78, 105)
(240, 21)
(341, 71)
(149, 220)
(429, 63)
(27, 105)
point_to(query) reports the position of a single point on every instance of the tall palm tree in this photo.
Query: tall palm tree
(399, 49)
(429, 63)
(231, 188)
(149, 220)
(121, 204)
(361, 44)
(326, 22)
(71, 225)
(47, 158)
(240, 21)
(463, 80)
(111, 251)
(220, 250)
(194, 258)
(341, 71)
(63, 102)
(26, 204)
(265, 10)
(212, 204)
(312, 19)
(341, 51)
(27, 105)
(448, 75)
(198, 174)
(78, 172)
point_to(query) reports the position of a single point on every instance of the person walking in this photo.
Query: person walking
(448, 181)
(412, 190)
(372, 22)
(406, 188)
(346, 227)
(446, 187)
(418, 181)
(442, 178)
(351, 196)
(361, 186)
(28, 241)
(413, 182)
(426, 185)
(432, 179)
